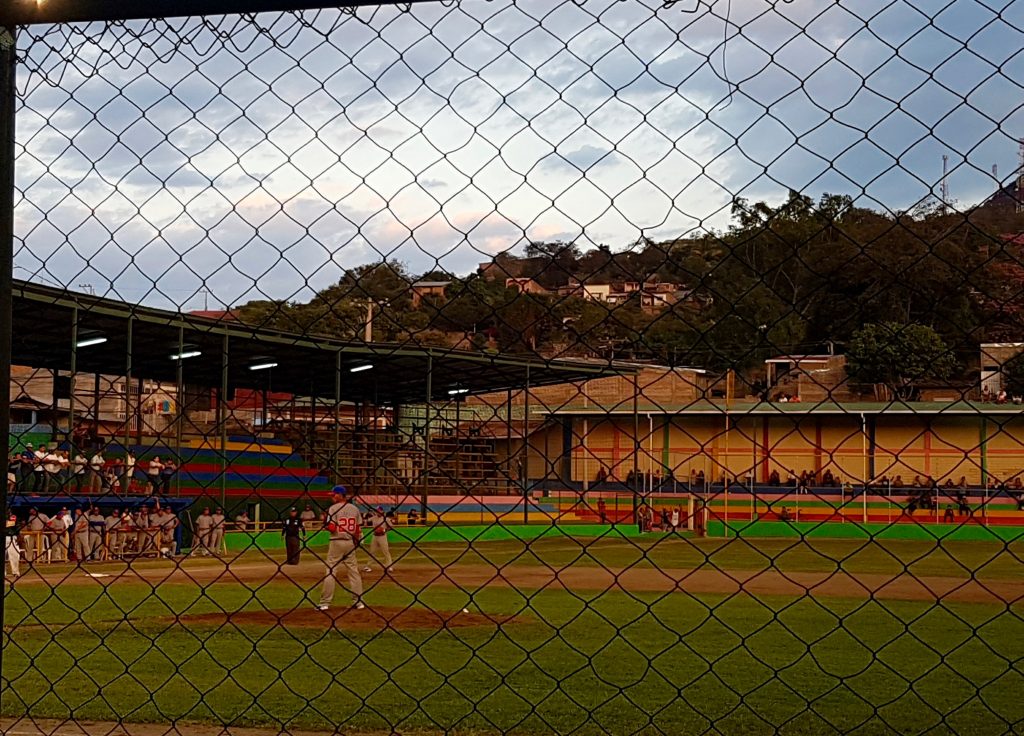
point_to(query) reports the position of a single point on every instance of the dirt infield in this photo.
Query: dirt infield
(637, 579)
(368, 619)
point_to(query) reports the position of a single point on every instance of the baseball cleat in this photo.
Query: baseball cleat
(322, 608)
(359, 606)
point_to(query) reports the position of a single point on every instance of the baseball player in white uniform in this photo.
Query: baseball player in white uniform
(379, 550)
(342, 521)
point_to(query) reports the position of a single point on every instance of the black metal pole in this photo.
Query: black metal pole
(128, 396)
(179, 413)
(71, 379)
(8, 95)
(336, 449)
(222, 419)
(508, 448)
(525, 460)
(424, 480)
(636, 443)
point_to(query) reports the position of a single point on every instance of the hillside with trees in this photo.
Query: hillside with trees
(801, 277)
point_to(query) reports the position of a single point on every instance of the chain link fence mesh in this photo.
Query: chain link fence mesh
(634, 367)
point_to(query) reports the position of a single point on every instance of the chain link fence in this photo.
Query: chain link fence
(517, 367)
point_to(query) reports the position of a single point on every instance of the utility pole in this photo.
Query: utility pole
(944, 188)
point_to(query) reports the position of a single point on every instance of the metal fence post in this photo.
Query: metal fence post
(8, 99)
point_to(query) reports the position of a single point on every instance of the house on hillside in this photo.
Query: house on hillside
(525, 285)
(435, 291)
(808, 378)
(993, 356)
(508, 266)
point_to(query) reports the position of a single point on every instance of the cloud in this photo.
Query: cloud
(267, 160)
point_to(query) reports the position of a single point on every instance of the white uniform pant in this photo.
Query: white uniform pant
(342, 552)
(13, 554)
(379, 549)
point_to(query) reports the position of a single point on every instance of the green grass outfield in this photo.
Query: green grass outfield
(588, 660)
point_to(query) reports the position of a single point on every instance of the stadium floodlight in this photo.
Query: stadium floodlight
(88, 339)
(186, 354)
(458, 391)
(361, 368)
(262, 366)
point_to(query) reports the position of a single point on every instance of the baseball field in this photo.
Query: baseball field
(563, 634)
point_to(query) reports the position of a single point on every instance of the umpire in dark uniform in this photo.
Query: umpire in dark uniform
(292, 533)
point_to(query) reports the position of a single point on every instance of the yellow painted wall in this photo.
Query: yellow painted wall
(944, 448)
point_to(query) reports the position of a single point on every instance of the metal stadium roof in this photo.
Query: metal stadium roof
(44, 320)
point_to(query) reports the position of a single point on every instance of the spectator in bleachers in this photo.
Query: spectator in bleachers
(828, 479)
(898, 482)
(153, 471)
(128, 470)
(963, 507)
(948, 517)
(79, 469)
(38, 472)
(96, 465)
(167, 474)
(774, 479)
(51, 471)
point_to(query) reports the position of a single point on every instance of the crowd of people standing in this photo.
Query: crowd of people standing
(87, 535)
(50, 469)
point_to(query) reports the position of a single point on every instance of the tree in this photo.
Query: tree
(897, 356)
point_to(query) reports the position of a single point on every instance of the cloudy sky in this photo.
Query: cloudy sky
(159, 159)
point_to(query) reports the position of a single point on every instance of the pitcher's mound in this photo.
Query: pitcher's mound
(376, 618)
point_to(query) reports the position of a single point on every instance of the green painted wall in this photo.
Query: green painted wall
(818, 530)
(271, 540)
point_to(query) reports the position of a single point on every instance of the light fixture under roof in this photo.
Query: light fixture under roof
(263, 366)
(186, 354)
(458, 391)
(88, 339)
(361, 368)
